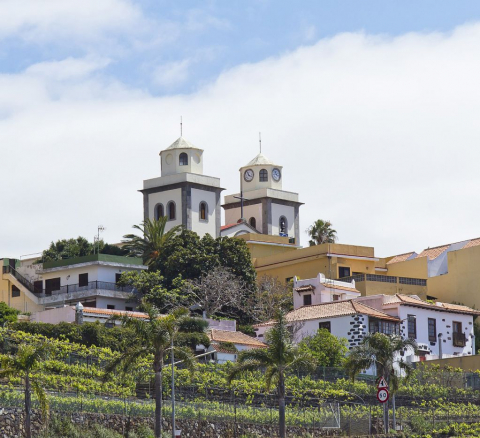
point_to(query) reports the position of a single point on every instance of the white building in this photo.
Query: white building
(182, 192)
(441, 330)
(226, 344)
(91, 280)
(321, 290)
(266, 206)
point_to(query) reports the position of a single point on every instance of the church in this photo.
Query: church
(187, 197)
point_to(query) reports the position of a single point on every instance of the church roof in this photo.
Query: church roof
(259, 160)
(181, 143)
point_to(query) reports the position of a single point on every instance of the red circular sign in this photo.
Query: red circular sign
(382, 395)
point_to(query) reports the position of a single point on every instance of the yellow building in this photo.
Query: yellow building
(452, 270)
(336, 261)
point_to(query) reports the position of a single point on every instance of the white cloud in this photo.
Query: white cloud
(69, 68)
(48, 20)
(380, 135)
(172, 73)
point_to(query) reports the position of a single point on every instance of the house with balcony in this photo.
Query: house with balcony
(441, 330)
(91, 280)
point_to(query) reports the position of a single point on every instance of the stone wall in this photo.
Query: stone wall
(11, 425)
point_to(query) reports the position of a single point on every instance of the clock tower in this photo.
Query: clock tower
(266, 206)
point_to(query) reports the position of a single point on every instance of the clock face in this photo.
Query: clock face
(276, 175)
(248, 175)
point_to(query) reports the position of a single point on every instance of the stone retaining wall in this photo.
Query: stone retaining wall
(11, 425)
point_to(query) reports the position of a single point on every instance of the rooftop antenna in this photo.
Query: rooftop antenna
(260, 141)
(181, 127)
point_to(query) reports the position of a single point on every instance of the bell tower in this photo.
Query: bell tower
(182, 192)
(266, 206)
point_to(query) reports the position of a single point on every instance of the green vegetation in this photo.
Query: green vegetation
(79, 247)
(277, 359)
(7, 314)
(321, 232)
(327, 349)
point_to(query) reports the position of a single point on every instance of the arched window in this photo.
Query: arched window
(203, 211)
(253, 222)
(283, 225)
(263, 175)
(159, 211)
(171, 210)
(183, 159)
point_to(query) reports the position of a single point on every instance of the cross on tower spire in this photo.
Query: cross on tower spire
(181, 127)
(260, 141)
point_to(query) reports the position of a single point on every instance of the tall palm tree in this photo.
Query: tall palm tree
(24, 363)
(384, 353)
(321, 232)
(154, 237)
(277, 358)
(153, 339)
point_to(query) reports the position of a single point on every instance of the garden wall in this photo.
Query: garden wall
(11, 425)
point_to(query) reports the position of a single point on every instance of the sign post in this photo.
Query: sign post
(382, 397)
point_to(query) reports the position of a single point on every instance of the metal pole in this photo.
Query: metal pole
(173, 390)
(393, 414)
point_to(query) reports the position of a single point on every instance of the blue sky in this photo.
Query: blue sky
(371, 107)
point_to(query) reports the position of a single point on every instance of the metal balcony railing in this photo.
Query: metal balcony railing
(459, 339)
(384, 279)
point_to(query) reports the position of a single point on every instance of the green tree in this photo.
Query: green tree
(149, 246)
(24, 364)
(384, 353)
(321, 232)
(7, 314)
(153, 339)
(277, 358)
(327, 349)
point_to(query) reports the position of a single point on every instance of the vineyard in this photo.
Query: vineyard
(75, 380)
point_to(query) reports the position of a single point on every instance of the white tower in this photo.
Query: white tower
(182, 192)
(266, 206)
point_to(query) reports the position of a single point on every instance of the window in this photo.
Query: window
(336, 297)
(203, 211)
(129, 309)
(159, 211)
(183, 161)
(325, 325)
(288, 280)
(38, 286)
(283, 226)
(263, 175)
(51, 285)
(171, 211)
(110, 306)
(458, 337)
(343, 271)
(307, 300)
(432, 329)
(412, 326)
(83, 280)
(15, 291)
(382, 326)
(253, 222)
(117, 277)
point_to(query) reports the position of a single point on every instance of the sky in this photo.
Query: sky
(371, 107)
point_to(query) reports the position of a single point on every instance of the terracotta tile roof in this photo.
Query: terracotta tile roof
(433, 253)
(332, 310)
(334, 286)
(304, 288)
(417, 302)
(111, 312)
(400, 257)
(226, 227)
(234, 338)
(473, 242)
(220, 349)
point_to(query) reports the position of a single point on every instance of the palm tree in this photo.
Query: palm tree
(384, 353)
(24, 363)
(277, 358)
(153, 241)
(153, 339)
(321, 232)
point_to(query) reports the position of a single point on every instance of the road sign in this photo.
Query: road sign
(382, 395)
(382, 383)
